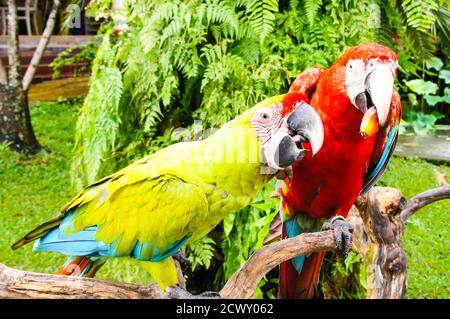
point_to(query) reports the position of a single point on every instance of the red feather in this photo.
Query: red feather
(329, 183)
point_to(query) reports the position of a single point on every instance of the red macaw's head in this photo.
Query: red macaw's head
(370, 70)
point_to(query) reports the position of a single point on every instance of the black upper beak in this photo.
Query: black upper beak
(305, 122)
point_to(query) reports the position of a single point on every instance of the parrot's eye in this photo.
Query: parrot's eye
(264, 116)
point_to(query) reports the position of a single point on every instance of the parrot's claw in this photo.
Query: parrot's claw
(186, 264)
(343, 231)
(176, 292)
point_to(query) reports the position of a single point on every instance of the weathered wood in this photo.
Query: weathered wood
(3, 74)
(245, 281)
(387, 266)
(21, 284)
(55, 41)
(425, 198)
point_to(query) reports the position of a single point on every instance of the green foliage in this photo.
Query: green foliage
(343, 280)
(419, 14)
(422, 123)
(261, 16)
(422, 87)
(431, 100)
(201, 252)
(102, 105)
(84, 53)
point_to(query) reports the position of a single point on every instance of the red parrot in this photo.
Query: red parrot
(360, 111)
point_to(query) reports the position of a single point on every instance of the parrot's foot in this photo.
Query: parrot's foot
(343, 231)
(185, 263)
(179, 293)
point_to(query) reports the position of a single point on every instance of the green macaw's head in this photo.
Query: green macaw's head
(282, 135)
(270, 135)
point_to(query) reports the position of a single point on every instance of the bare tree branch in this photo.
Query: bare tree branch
(245, 281)
(425, 198)
(21, 284)
(13, 45)
(31, 70)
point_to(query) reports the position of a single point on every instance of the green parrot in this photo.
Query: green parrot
(148, 210)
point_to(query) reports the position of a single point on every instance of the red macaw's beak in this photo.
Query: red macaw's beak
(379, 88)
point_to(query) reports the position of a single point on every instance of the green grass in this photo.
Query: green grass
(34, 188)
(427, 238)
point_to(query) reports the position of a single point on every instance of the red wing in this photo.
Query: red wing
(306, 81)
(385, 145)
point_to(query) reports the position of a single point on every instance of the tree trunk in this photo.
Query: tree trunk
(15, 121)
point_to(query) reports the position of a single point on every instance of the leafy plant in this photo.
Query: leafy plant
(85, 54)
(201, 252)
(429, 92)
(243, 233)
(422, 123)
(343, 280)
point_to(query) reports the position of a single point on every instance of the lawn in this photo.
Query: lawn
(34, 188)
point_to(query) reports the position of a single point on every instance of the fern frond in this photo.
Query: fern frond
(311, 9)
(201, 252)
(419, 13)
(261, 14)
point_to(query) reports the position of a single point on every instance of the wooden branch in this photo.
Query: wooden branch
(13, 45)
(425, 198)
(21, 284)
(37, 55)
(245, 281)
(385, 258)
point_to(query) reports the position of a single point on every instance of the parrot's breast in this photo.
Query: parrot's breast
(329, 183)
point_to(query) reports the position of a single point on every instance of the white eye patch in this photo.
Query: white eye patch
(355, 75)
(355, 71)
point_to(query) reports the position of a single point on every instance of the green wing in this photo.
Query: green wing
(137, 212)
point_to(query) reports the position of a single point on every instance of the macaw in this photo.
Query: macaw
(148, 210)
(360, 111)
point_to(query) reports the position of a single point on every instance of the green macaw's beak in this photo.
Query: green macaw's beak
(304, 126)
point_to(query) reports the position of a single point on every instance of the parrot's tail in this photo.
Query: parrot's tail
(299, 277)
(301, 285)
(82, 266)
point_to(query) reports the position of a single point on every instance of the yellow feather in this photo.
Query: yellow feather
(164, 272)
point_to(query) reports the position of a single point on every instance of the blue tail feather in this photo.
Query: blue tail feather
(293, 229)
(83, 243)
